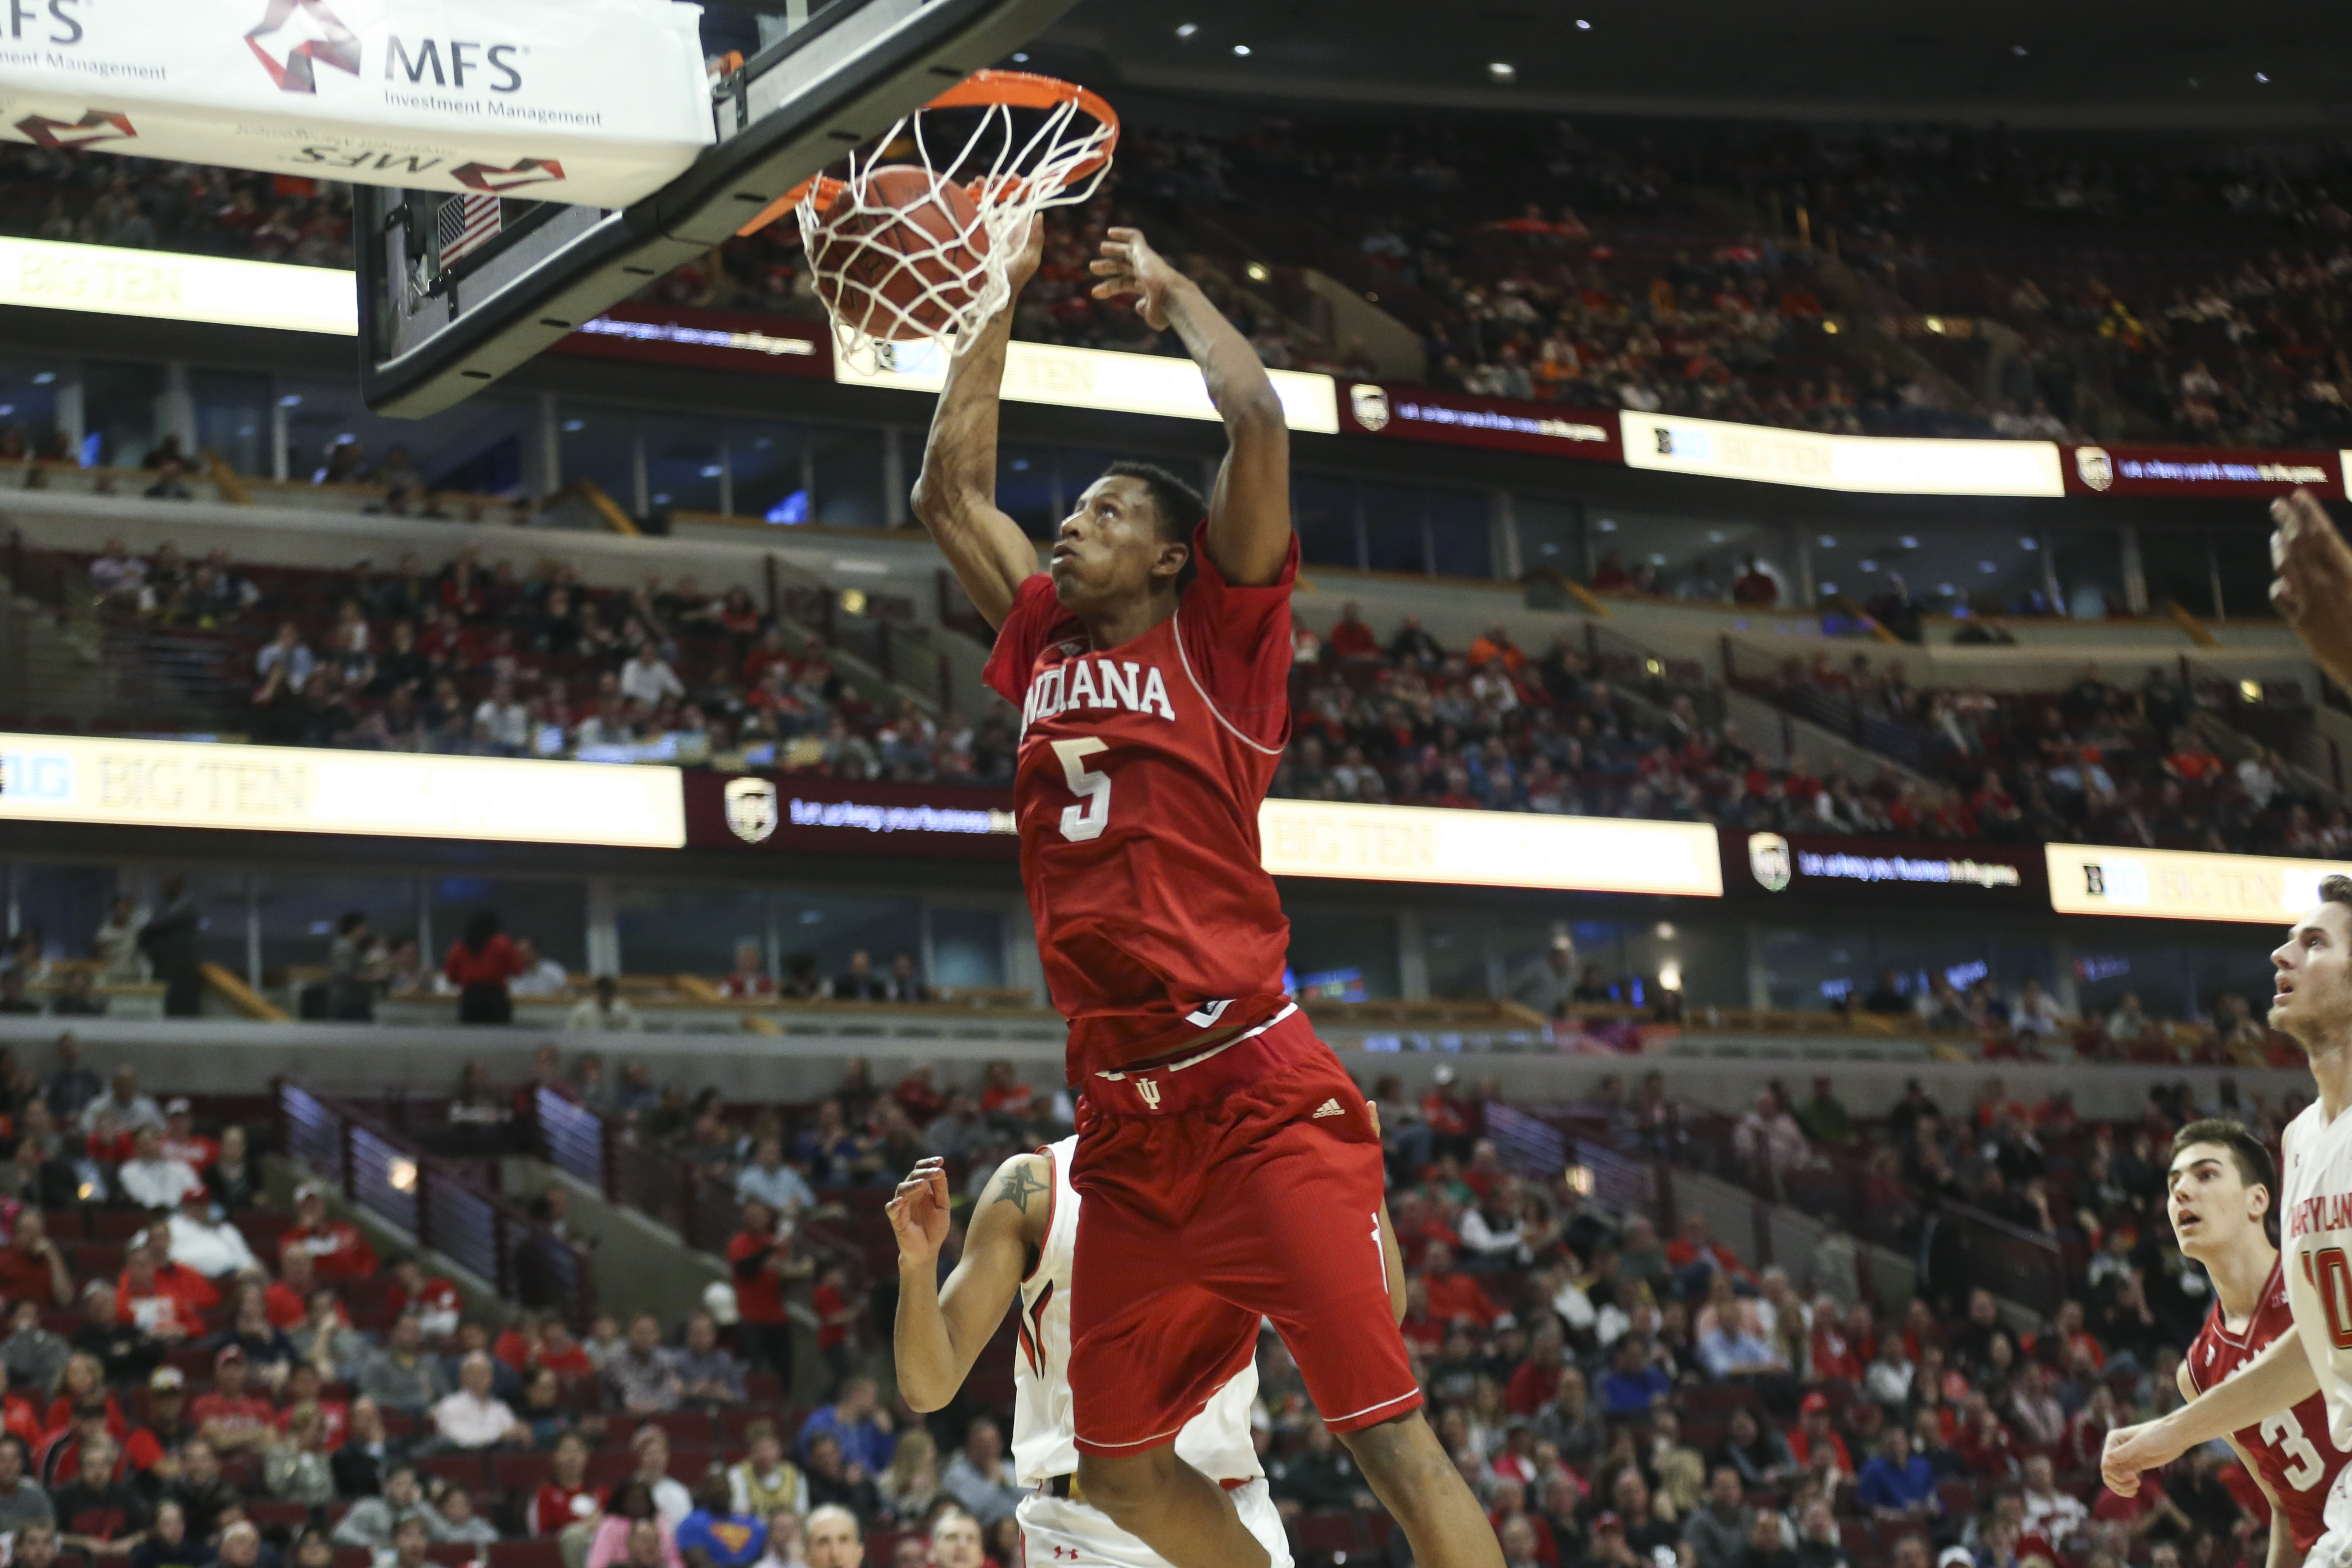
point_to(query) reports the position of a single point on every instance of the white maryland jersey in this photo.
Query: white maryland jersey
(1216, 1442)
(2316, 1230)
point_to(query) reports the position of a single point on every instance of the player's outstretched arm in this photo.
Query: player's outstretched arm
(2282, 1552)
(955, 495)
(2313, 587)
(2279, 1377)
(1249, 515)
(941, 1330)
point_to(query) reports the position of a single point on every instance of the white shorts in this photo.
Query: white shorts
(2333, 1549)
(1057, 1531)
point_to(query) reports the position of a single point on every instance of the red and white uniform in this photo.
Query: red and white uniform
(1236, 1185)
(1136, 788)
(2292, 1450)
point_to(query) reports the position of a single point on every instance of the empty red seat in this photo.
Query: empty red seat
(523, 1473)
(467, 1470)
(610, 1467)
(286, 1515)
(1328, 1534)
(527, 1554)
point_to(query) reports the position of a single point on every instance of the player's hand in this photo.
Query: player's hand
(919, 1212)
(1129, 266)
(2132, 1450)
(2312, 590)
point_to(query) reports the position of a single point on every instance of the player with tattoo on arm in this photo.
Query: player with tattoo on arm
(1018, 1247)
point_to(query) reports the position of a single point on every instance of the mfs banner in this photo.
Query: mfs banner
(592, 102)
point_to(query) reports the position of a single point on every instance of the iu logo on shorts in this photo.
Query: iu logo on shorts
(1151, 1092)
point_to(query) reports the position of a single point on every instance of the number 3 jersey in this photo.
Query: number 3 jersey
(1136, 788)
(2292, 1449)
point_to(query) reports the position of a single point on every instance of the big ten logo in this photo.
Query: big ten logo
(36, 778)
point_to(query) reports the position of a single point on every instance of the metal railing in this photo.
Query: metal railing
(1759, 676)
(443, 1207)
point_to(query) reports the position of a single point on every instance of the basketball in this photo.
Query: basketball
(900, 256)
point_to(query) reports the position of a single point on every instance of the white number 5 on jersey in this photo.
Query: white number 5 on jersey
(2285, 1433)
(1092, 814)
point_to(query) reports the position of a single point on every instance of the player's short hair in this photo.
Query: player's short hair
(1179, 505)
(2246, 1151)
(2336, 889)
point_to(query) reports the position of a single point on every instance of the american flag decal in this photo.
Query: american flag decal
(468, 222)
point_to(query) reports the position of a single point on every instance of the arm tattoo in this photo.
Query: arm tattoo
(1016, 1186)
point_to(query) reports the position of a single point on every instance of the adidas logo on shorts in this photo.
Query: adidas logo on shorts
(1329, 1108)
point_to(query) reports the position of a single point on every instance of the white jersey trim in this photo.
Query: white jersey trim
(1367, 1409)
(1176, 624)
(1138, 1442)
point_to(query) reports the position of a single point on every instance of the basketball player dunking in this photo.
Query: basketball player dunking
(1019, 1248)
(2218, 1193)
(1230, 1169)
(2312, 1003)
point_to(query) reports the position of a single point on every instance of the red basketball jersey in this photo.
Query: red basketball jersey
(2292, 1449)
(1136, 788)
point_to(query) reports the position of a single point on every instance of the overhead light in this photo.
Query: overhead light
(1656, 666)
(1670, 975)
(1607, 525)
(1666, 930)
(1582, 25)
(400, 1174)
(853, 601)
(575, 426)
(1578, 1179)
(2028, 543)
(1987, 567)
(1021, 59)
(1656, 558)
(1242, 49)
(1870, 565)
(1187, 29)
(1830, 327)
(1946, 590)
(2016, 49)
(1910, 543)
(1933, 324)
(1829, 542)
(1715, 536)
(2251, 690)
(1257, 272)
(47, 376)
(1830, 589)
(1501, 71)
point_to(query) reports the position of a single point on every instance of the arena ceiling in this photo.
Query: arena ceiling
(2137, 64)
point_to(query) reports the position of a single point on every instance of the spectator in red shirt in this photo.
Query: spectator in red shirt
(337, 1249)
(836, 1318)
(479, 964)
(1695, 1253)
(1350, 638)
(1005, 1095)
(180, 1140)
(1455, 1297)
(565, 1497)
(750, 976)
(1535, 1380)
(758, 1257)
(197, 1295)
(143, 1299)
(1453, 1124)
(1984, 1444)
(32, 1265)
(561, 1354)
(918, 1095)
(230, 1415)
(18, 1416)
(287, 1298)
(306, 1386)
(1813, 1426)
(81, 1390)
(434, 1299)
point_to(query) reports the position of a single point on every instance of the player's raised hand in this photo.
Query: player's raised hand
(919, 1212)
(1129, 264)
(2313, 589)
(2133, 1450)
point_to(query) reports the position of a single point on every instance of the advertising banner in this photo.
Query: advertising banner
(704, 340)
(1103, 379)
(600, 103)
(1488, 849)
(2177, 885)
(2198, 471)
(185, 784)
(1984, 877)
(800, 816)
(110, 280)
(1460, 419)
(1873, 465)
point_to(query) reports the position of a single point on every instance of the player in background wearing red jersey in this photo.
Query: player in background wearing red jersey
(2220, 1192)
(1230, 1171)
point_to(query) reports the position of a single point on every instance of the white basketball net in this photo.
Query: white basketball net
(959, 279)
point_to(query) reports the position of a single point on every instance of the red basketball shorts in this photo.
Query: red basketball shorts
(1247, 1186)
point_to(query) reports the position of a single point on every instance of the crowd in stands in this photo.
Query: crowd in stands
(1406, 720)
(477, 657)
(2098, 762)
(92, 198)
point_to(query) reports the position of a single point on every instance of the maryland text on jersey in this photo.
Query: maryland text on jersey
(2326, 1211)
